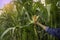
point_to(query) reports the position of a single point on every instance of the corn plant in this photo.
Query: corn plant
(16, 22)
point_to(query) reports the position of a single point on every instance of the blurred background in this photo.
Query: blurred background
(16, 19)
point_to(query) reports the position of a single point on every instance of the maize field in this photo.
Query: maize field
(16, 20)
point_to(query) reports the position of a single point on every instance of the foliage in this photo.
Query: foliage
(16, 22)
